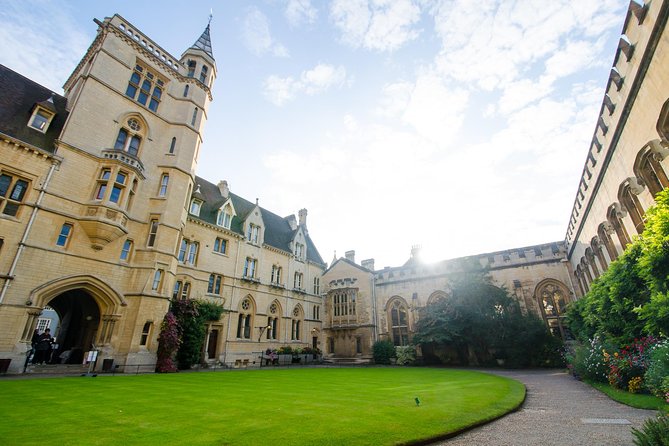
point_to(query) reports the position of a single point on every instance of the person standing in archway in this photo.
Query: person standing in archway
(43, 348)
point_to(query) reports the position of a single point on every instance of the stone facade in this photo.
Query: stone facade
(104, 220)
(627, 162)
(384, 304)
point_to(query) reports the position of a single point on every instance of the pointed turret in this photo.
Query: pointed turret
(204, 43)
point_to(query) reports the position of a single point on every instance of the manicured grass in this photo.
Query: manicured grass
(638, 400)
(348, 406)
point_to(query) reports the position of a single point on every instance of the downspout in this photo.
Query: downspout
(26, 233)
(376, 316)
(232, 295)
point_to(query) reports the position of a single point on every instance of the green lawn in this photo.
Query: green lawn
(347, 406)
(638, 400)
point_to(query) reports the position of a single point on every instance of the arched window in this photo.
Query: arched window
(398, 319)
(627, 194)
(586, 271)
(552, 297)
(273, 319)
(245, 319)
(581, 282)
(647, 166)
(591, 261)
(437, 296)
(603, 232)
(194, 118)
(296, 329)
(598, 252)
(173, 144)
(203, 74)
(615, 215)
(663, 122)
(186, 88)
(129, 138)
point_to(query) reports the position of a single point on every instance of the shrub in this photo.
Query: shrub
(383, 351)
(168, 343)
(285, 350)
(590, 360)
(657, 374)
(655, 432)
(406, 355)
(630, 363)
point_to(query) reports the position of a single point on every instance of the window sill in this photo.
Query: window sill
(223, 254)
(251, 279)
(277, 285)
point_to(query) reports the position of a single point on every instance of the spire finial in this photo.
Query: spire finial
(211, 16)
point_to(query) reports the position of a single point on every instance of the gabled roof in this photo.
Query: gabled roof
(347, 261)
(18, 96)
(277, 230)
(204, 43)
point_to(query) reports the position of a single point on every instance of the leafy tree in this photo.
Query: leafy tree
(631, 299)
(481, 322)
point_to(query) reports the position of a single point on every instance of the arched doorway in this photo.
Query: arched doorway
(88, 309)
(79, 316)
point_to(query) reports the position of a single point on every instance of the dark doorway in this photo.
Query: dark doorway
(314, 342)
(79, 320)
(211, 345)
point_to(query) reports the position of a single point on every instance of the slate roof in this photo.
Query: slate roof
(18, 96)
(277, 230)
(204, 42)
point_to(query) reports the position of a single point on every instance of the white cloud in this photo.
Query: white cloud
(380, 25)
(520, 93)
(317, 80)
(300, 11)
(46, 51)
(434, 110)
(257, 36)
(494, 45)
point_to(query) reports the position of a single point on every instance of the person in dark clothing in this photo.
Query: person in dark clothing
(43, 348)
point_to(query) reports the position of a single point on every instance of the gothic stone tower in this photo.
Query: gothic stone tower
(104, 200)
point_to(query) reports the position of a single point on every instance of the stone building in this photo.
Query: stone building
(627, 162)
(363, 305)
(103, 220)
(626, 166)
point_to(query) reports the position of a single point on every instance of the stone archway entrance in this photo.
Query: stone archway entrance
(79, 316)
(88, 309)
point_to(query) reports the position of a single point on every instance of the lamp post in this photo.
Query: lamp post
(262, 330)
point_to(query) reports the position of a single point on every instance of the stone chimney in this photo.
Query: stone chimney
(350, 255)
(369, 264)
(302, 214)
(292, 221)
(415, 252)
(223, 187)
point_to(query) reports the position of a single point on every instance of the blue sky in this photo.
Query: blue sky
(458, 125)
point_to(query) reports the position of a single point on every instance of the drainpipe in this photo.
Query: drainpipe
(375, 318)
(26, 233)
(234, 288)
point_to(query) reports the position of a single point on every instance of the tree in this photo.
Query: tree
(631, 299)
(482, 323)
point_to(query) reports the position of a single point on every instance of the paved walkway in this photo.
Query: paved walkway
(559, 410)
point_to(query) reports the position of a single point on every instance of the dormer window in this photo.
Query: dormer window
(195, 206)
(252, 233)
(40, 119)
(224, 218)
(299, 251)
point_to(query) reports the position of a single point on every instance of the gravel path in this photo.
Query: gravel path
(559, 410)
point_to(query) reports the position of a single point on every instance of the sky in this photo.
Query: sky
(461, 126)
